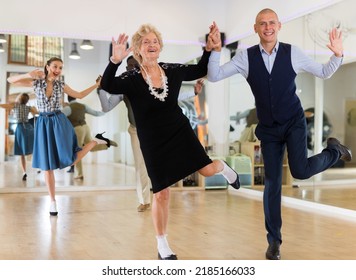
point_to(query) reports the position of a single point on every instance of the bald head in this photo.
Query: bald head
(265, 11)
(267, 27)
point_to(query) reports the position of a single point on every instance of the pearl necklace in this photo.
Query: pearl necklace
(157, 92)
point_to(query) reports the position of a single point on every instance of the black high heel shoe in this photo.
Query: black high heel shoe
(101, 137)
(71, 169)
(170, 257)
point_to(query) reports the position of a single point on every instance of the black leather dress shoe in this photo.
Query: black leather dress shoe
(170, 257)
(345, 153)
(273, 252)
(236, 184)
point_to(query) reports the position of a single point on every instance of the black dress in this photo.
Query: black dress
(170, 148)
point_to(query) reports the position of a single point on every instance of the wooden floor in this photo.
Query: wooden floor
(103, 224)
(96, 177)
(335, 187)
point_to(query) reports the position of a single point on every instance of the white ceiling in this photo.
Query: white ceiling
(181, 22)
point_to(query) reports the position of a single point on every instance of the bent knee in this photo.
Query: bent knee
(210, 169)
(299, 175)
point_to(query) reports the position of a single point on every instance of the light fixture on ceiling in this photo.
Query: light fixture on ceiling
(74, 54)
(87, 45)
(2, 48)
(2, 38)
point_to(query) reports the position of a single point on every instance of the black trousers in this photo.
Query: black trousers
(274, 139)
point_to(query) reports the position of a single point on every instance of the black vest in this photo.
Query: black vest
(275, 93)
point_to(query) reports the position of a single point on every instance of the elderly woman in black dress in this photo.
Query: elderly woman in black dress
(170, 147)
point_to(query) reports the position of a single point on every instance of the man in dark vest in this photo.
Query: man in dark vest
(76, 112)
(270, 68)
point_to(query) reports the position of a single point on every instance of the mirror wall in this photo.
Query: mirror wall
(308, 32)
(108, 169)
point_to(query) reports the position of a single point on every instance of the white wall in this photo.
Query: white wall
(181, 22)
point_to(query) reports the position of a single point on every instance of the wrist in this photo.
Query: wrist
(114, 61)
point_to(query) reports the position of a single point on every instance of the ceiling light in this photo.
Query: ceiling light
(2, 38)
(74, 53)
(1, 48)
(87, 45)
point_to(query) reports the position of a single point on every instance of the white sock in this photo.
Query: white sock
(163, 247)
(53, 207)
(228, 173)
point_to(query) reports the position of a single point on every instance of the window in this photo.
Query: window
(17, 49)
(33, 50)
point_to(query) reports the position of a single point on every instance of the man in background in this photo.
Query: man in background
(76, 112)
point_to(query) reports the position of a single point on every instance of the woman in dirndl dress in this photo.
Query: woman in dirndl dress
(55, 142)
(23, 144)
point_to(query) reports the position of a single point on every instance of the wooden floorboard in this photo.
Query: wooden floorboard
(98, 221)
(204, 225)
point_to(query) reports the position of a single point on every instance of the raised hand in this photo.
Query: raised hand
(98, 80)
(119, 48)
(198, 86)
(335, 37)
(37, 74)
(214, 38)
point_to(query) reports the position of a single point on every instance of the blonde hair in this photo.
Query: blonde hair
(136, 40)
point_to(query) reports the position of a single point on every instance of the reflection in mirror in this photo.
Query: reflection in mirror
(336, 185)
(338, 104)
(196, 111)
(331, 101)
(12, 94)
(112, 168)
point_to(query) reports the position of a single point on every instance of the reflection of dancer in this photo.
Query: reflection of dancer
(143, 182)
(24, 130)
(169, 145)
(55, 143)
(248, 134)
(75, 112)
(270, 68)
(189, 108)
(327, 127)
